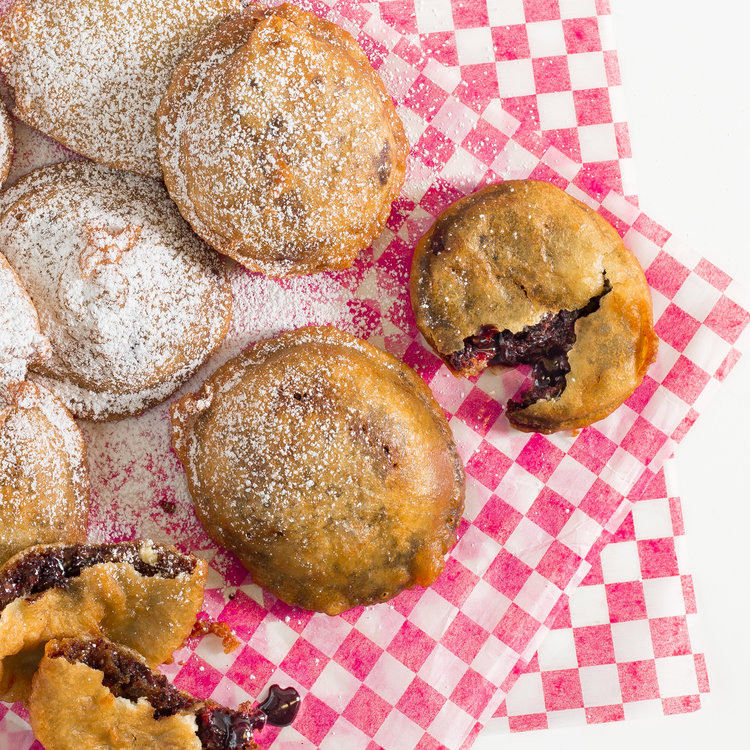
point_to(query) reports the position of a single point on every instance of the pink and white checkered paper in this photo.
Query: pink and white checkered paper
(423, 671)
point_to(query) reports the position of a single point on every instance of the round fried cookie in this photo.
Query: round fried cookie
(326, 466)
(130, 299)
(280, 144)
(143, 595)
(523, 273)
(90, 73)
(44, 484)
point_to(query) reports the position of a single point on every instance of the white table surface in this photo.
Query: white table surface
(685, 71)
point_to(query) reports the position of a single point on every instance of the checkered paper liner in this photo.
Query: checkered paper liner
(626, 643)
(423, 670)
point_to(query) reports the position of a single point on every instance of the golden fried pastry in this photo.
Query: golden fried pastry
(279, 142)
(44, 485)
(143, 595)
(130, 299)
(90, 73)
(6, 143)
(91, 694)
(21, 340)
(522, 273)
(326, 466)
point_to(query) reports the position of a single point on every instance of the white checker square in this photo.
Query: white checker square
(587, 71)
(632, 640)
(600, 685)
(380, 624)
(617, 425)
(617, 103)
(546, 38)
(681, 553)
(467, 441)
(620, 562)
(664, 597)
(528, 542)
(229, 693)
(335, 686)
(433, 614)
(580, 532)
(398, 76)
(598, 142)
(326, 633)
(398, 732)
(485, 605)
(558, 650)
(292, 738)
(476, 550)
(514, 162)
(389, 678)
(505, 12)
(652, 519)
(433, 16)
(622, 471)
(500, 118)
(344, 734)
(212, 650)
(455, 120)
(527, 695)
(556, 110)
(474, 46)
(450, 390)
(537, 596)
(568, 717)
(677, 676)
(519, 488)
(515, 78)
(452, 724)
(642, 247)
(445, 77)
(414, 124)
(458, 168)
(571, 479)
(707, 349)
(588, 606)
(495, 660)
(643, 709)
(578, 8)
(273, 639)
(621, 207)
(477, 496)
(442, 670)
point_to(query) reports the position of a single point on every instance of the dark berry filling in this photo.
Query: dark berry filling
(544, 346)
(44, 569)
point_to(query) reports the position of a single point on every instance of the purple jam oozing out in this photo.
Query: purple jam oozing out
(544, 346)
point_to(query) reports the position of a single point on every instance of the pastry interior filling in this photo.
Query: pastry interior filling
(52, 567)
(544, 346)
(218, 728)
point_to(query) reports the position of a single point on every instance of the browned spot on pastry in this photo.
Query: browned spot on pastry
(105, 245)
(383, 163)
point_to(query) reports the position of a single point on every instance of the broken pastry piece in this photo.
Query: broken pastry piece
(91, 694)
(279, 142)
(130, 299)
(142, 595)
(523, 273)
(326, 465)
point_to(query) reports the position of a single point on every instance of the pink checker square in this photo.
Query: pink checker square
(399, 14)
(562, 689)
(670, 636)
(305, 662)
(358, 654)
(366, 710)
(600, 177)
(510, 42)
(605, 714)
(480, 411)
(411, 646)
(688, 591)
(198, 677)
(243, 615)
(473, 692)
(424, 362)
(638, 681)
(507, 574)
(464, 638)
(480, 85)
(625, 601)
(601, 501)
(566, 140)
(551, 74)
(727, 319)
(666, 274)
(541, 10)
(251, 670)
(559, 564)
(612, 68)
(470, 15)
(455, 582)
(581, 35)
(433, 148)
(686, 380)
(681, 705)
(498, 519)
(540, 457)
(592, 106)
(485, 141)
(643, 440)
(651, 230)
(592, 449)
(642, 394)
(713, 275)
(622, 136)
(315, 718)
(523, 108)
(488, 465)
(658, 558)
(516, 628)
(594, 645)
(421, 702)
(550, 511)
(527, 723)
(428, 743)
(676, 327)
(701, 673)
(425, 97)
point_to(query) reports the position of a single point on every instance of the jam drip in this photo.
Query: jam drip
(544, 346)
(40, 570)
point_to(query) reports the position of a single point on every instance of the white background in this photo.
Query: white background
(686, 72)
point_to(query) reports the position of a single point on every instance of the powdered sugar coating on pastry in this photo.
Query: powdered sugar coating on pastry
(90, 73)
(130, 299)
(6, 143)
